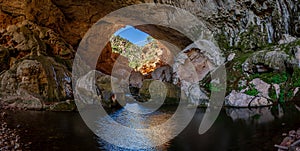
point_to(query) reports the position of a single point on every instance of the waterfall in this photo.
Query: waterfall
(282, 7)
(270, 32)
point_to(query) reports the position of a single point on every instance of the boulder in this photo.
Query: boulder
(275, 60)
(262, 87)
(163, 74)
(63, 106)
(96, 88)
(23, 100)
(286, 38)
(191, 65)
(136, 79)
(239, 99)
(169, 91)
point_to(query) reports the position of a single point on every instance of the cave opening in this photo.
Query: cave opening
(143, 52)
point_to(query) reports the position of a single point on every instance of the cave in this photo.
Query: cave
(143, 56)
(232, 66)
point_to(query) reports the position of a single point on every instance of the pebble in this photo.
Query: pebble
(9, 139)
(290, 137)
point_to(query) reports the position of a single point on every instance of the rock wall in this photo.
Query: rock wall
(233, 19)
(39, 38)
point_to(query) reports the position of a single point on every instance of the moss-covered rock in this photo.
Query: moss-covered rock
(170, 92)
(63, 106)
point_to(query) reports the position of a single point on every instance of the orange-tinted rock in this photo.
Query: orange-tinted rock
(107, 60)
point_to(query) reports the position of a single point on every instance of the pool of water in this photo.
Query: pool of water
(234, 129)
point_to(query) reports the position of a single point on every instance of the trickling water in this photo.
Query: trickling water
(270, 32)
(285, 15)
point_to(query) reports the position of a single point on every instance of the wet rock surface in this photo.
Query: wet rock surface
(291, 141)
(163, 91)
(9, 138)
(163, 74)
(239, 99)
(35, 66)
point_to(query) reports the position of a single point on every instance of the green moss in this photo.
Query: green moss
(279, 78)
(241, 88)
(271, 77)
(223, 42)
(272, 93)
(252, 39)
(296, 78)
(252, 92)
(289, 94)
(64, 106)
(65, 52)
(281, 96)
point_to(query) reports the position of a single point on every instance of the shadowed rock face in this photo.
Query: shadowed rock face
(72, 19)
(37, 29)
(35, 69)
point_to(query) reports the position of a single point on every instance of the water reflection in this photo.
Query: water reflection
(254, 115)
(224, 132)
(136, 139)
(67, 131)
(261, 115)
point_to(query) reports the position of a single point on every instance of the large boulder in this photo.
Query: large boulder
(276, 60)
(239, 99)
(23, 100)
(136, 79)
(95, 88)
(171, 93)
(262, 87)
(63, 106)
(163, 74)
(192, 65)
(279, 58)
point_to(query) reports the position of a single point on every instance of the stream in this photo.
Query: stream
(235, 129)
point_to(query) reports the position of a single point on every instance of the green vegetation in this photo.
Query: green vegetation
(290, 94)
(252, 92)
(256, 116)
(296, 78)
(215, 87)
(281, 97)
(272, 93)
(271, 77)
(241, 88)
(279, 78)
(137, 56)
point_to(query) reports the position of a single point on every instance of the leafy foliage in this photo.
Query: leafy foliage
(138, 56)
(272, 93)
(271, 77)
(252, 92)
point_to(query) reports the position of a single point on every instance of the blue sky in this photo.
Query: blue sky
(133, 35)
